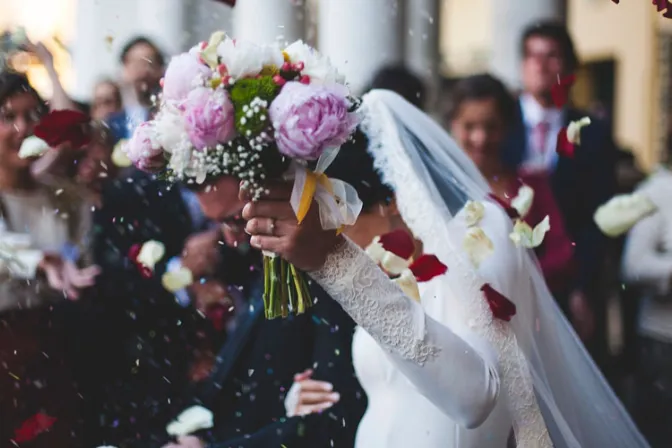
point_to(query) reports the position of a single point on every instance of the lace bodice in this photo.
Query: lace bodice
(416, 344)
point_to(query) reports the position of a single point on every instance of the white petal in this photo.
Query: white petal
(523, 235)
(150, 253)
(622, 212)
(407, 282)
(33, 147)
(177, 280)
(119, 157)
(523, 201)
(375, 250)
(574, 130)
(473, 213)
(188, 422)
(477, 245)
(394, 264)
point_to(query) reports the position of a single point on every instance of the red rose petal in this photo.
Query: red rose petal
(218, 316)
(564, 147)
(660, 4)
(512, 212)
(133, 252)
(427, 267)
(560, 91)
(501, 307)
(33, 427)
(62, 126)
(399, 242)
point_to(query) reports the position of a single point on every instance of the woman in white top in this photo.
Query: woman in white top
(448, 372)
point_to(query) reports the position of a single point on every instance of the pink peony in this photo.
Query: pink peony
(209, 117)
(311, 118)
(180, 76)
(143, 150)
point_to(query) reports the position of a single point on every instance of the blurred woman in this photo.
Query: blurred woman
(481, 112)
(106, 100)
(38, 400)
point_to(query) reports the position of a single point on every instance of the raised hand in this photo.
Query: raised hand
(274, 228)
(307, 396)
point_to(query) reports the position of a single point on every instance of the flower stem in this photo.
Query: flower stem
(285, 289)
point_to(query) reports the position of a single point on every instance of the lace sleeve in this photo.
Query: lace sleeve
(446, 369)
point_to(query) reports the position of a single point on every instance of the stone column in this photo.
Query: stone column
(422, 41)
(360, 37)
(509, 20)
(268, 21)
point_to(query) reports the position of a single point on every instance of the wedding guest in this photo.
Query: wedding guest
(106, 99)
(257, 366)
(647, 266)
(580, 184)
(37, 222)
(481, 113)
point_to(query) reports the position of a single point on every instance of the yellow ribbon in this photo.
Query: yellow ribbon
(308, 193)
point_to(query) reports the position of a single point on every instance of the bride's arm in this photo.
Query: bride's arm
(459, 379)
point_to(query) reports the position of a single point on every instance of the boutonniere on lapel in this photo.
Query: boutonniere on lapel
(570, 136)
(661, 5)
(393, 252)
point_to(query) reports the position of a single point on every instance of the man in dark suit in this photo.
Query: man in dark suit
(256, 367)
(580, 183)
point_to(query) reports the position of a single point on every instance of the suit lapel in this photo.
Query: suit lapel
(228, 355)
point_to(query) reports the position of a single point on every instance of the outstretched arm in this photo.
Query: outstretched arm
(459, 377)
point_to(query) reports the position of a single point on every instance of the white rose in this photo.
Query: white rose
(245, 59)
(477, 245)
(407, 282)
(169, 129)
(317, 66)
(32, 147)
(188, 422)
(622, 212)
(150, 253)
(473, 213)
(523, 201)
(525, 236)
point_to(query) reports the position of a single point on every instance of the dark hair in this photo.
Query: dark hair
(402, 81)
(556, 31)
(141, 40)
(355, 166)
(480, 87)
(13, 83)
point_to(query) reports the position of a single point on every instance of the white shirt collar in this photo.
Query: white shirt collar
(534, 113)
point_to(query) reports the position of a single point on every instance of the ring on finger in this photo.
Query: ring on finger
(271, 227)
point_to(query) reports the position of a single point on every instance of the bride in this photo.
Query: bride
(445, 372)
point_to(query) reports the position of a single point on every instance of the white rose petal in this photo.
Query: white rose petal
(317, 66)
(188, 422)
(177, 280)
(150, 253)
(245, 59)
(622, 212)
(33, 147)
(119, 157)
(376, 251)
(473, 213)
(209, 53)
(523, 235)
(394, 264)
(477, 245)
(523, 201)
(574, 130)
(407, 282)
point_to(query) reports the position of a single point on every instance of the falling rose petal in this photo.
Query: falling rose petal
(574, 130)
(564, 147)
(525, 236)
(393, 264)
(119, 157)
(512, 212)
(33, 147)
(523, 200)
(217, 315)
(473, 213)
(375, 250)
(501, 307)
(188, 422)
(177, 280)
(660, 5)
(33, 427)
(427, 267)
(477, 245)
(560, 90)
(133, 252)
(622, 212)
(63, 126)
(151, 253)
(209, 53)
(408, 284)
(399, 242)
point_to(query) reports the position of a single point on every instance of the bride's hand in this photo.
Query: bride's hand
(274, 228)
(307, 396)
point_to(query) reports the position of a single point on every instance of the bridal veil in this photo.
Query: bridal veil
(552, 373)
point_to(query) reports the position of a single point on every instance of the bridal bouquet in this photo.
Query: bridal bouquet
(258, 113)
